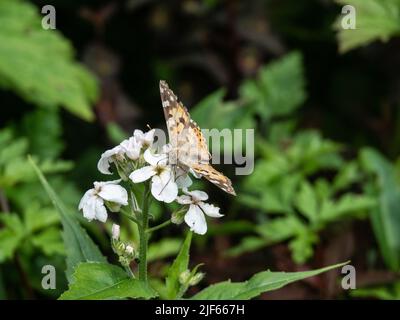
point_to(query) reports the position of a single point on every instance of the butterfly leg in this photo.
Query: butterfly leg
(169, 180)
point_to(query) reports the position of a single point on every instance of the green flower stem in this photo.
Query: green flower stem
(129, 271)
(129, 216)
(157, 227)
(143, 238)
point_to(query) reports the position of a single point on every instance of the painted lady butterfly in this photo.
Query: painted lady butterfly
(188, 147)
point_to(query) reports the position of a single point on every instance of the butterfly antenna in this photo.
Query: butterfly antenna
(169, 180)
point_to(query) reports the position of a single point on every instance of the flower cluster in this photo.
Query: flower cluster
(125, 251)
(135, 161)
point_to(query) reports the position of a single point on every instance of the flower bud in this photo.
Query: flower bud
(112, 206)
(130, 252)
(124, 261)
(129, 249)
(120, 248)
(178, 216)
(196, 278)
(115, 231)
(121, 170)
(184, 277)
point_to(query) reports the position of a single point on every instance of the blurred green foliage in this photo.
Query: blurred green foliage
(30, 225)
(375, 20)
(304, 185)
(290, 188)
(39, 65)
(284, 185)
(385, 218)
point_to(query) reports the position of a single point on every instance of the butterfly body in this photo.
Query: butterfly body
(189, 150)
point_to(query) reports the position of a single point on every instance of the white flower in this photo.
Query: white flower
(115, 231)
(163, 186)
(92, 202)
(129, 249)
(131, 148)
(194, 217)
(144, 139)
(116, 153)
(182, 179)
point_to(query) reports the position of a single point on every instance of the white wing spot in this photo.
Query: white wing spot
(165, 103)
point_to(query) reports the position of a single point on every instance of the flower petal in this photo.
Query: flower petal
(106, 158)
(86, 197)
(197, 195)
(115, 231)
(163, 187)
(155, 159)
(144, 139)
(149, 137)
(182, 179)
(142, 174)
(100, 209)
(114, 193)
(99, 184)
(195, 219)
(132, 148)
(166, 148)
(184, 199)
(138, 134)
(210, 210)
(89, 208)
(195, 174)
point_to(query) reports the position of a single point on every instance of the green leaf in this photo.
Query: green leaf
(163, 249)
(43, 128)
(350, 173)
(386, 217)
(115, 133)
(261, 282)
(391, 292)
(247, 244)
(14, 167)
(302, 244)
(36, 217)
(307, 202)
(375, 20)
(311, 152)
(78, 245)
(180, 264)
(348, 204)
(280, 229)
(49, 241)
(11, 235)
(231, 227)
(38, 64)
(12, 148)
(215, 114)
(268, 95)
(95, 281)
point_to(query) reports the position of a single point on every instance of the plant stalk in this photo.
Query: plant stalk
(160, 226)
(143, 237)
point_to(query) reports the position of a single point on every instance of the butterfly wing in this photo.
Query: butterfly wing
(188, 141)
(185, 135)
(214, 176)
(176, 115)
